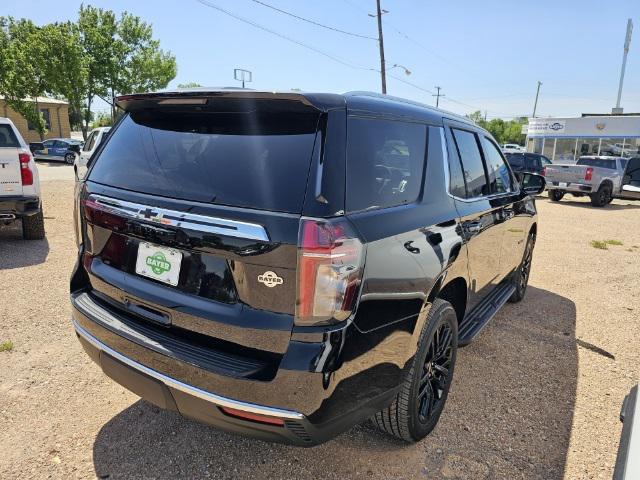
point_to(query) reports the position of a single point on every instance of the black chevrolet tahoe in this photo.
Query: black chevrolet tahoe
(287, 265)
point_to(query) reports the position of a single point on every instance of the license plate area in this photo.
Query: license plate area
(159, 263)
(562, 184)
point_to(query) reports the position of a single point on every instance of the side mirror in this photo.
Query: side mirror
(35, 146)
(532, 183)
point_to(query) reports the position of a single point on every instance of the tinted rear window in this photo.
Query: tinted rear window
(255, 160)
(598, 162)
(515, 160)
(7, 137)
(385, 162)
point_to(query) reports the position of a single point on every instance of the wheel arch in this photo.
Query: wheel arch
(453, 291)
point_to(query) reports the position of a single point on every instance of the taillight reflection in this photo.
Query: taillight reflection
(330, 264)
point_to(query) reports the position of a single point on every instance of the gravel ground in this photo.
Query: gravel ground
(536, 396)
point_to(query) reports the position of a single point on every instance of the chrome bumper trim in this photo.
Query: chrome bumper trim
(183, 387)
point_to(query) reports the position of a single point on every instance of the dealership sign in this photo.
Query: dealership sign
(539, 126)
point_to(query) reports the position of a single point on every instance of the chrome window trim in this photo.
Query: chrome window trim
(186, 388)
(175, 218)
(447, 178)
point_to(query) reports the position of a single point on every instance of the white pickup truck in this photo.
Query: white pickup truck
(19, 183)
(601, 178)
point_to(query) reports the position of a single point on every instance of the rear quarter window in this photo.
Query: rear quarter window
(8, 138)
(385, 162)
(250, 160)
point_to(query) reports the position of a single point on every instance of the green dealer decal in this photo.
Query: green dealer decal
(158, 263)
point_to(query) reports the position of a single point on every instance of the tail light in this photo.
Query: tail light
(25, 172)
(330, 265)
(588, 174)
(544, 171)
(101, 215)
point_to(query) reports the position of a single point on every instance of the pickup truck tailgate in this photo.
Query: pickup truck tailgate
(10, 178)
(565, 173)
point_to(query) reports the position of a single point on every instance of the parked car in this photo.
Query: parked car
(602, 178)
(62, 149)
(287, 265)
(528, 162)
(628, 458)
(512, 148)
(95, 138)
(19, 183)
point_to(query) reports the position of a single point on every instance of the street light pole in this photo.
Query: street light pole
(383, 74)
(438, 95)
(627, 41)
(535, 104)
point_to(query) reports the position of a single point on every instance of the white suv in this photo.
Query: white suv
(95, 138)
(19, 183)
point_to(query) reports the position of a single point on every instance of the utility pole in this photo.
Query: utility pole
(383, 74)
(535, 104)
(438, 95)
(627, 42)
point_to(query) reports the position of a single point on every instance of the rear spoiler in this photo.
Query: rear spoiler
(232, 100)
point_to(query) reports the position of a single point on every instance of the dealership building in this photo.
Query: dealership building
(564, 140)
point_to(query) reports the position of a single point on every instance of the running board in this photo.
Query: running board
(482, 313)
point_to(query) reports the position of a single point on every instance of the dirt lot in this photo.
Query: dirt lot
(536, 396)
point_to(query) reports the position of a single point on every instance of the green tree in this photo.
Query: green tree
(25, 71)
(68, 68)
(189, 85)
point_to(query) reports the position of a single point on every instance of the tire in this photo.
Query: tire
(33, 227)
(69, 158)
(521, 275)
(556, 195)
(602, 197)
(417, 407)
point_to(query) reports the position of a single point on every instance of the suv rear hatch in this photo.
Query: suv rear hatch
(10, 162)
(191, 218)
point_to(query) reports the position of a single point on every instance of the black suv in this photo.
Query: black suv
(287, 265)
(527, 162)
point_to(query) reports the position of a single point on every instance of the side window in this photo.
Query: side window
(60, 144)
(545, 161)
(48, 143)
(7, 137)
(88, 145)
(457, 187)
(499, 174)
(469, 152)
(385, 162)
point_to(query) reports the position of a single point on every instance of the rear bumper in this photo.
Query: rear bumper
(570, 187)
(19, 206)
(312, 406)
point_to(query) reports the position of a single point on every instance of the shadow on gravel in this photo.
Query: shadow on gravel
(509, 415)
(15, 252)
(54, 163)
(632, 205)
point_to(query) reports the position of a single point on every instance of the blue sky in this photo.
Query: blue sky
(486, 55)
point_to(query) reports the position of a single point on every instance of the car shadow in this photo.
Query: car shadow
(15, 252)
(509, 415)
(53, 163)
(585, 204)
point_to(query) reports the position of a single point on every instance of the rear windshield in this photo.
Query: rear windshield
(598, 162)
(515, 160)
(256, 160)
(7, 137)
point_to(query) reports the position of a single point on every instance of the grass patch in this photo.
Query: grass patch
(6, 346)
(599, 244)
(613, 242)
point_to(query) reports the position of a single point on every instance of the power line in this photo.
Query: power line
(312, 22)
(284, 37)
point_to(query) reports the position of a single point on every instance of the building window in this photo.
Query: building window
(549, 147)
(588, 146)
(535, 145)
(47, 119)
(631, 147)
(565, 150)
(612, 146)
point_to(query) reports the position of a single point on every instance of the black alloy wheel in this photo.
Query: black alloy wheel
(435, 373)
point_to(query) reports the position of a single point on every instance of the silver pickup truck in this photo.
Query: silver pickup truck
(601, 178)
